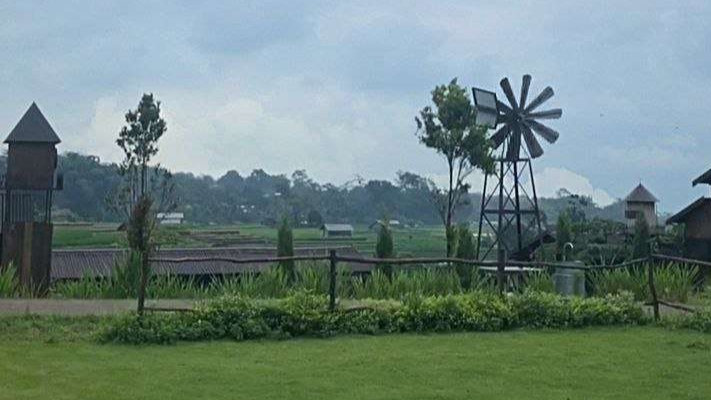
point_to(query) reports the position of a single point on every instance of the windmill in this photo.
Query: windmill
(509, 204)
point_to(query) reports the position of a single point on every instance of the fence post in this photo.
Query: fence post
(332, 280)
(652, 288)
(500, 270)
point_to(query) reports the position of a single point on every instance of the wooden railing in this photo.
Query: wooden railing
(498, 267)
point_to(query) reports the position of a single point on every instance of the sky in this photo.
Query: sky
(333, 87)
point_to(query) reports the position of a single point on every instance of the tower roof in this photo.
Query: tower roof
(640, 194)
(33, 128)
(703, 178)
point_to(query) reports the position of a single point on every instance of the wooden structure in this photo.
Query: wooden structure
(337, 230)
(27, 200)
(641, 201)
(509, 204)
(696, 218)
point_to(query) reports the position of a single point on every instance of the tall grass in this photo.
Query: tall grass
(673, 282)
(9, 286)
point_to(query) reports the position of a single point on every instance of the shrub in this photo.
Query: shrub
(304, 313)
(699, 320)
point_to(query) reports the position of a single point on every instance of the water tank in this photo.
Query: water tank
(569, 281)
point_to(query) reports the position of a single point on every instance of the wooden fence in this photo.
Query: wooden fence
(501, 269)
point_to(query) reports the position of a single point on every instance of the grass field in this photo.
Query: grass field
(427, 241)
(648, 362)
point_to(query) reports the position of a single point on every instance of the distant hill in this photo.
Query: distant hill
(260, 196)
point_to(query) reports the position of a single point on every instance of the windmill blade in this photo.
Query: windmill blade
(525, 85)
(534, 148)
(506, 85)
(546, 94)
(499, 137)
(550, 135)
(548, 114)
(503, 107)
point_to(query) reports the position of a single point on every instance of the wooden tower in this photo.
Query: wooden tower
(27, 199)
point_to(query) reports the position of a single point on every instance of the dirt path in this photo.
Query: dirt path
(82, 307)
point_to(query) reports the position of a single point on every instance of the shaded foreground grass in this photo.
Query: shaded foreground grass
(635, 362)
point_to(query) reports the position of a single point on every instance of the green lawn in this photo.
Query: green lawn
(426, 241)
(649, 363)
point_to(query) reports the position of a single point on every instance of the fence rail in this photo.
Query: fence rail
(488, 266)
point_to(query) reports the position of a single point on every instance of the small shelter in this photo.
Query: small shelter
(696, 218)
(393, 224)
(175, 218)
(641, 201)
(337, 230)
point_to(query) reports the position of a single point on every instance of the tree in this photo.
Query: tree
(139, 142)
(467, 251)
(641, 238)
(285, 248)
(449, 128)
(385, 248)
(140, 240)
(564, 233)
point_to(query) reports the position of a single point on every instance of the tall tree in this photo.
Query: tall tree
(641, 240)
(467, 251)
(563, 233)
(449, 128)
(139, 142)
(285, 248)
(384, 247)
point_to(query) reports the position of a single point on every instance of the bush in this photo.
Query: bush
(699, 321)
(304, 313)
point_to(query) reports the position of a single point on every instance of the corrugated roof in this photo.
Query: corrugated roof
(34, 128)
(681, 216)
(640, 194)
(703, 178)
(77, 263)
(337, 227)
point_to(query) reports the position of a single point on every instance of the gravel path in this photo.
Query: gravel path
(82, 307)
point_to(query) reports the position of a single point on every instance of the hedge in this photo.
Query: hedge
(305, 314)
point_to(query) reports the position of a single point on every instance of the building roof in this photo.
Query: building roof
(703, 178)
(78, 263)
(174, 215)
(33, 128)
(640, 194)
(337, 227)
(682, 215)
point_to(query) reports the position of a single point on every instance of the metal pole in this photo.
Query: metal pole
(481, 215)
(535, 200)
(332, 280)
(501, 248)
(518, 206)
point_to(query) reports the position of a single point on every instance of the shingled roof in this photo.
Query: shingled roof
(33, 128)
(78, 263)
(681, 216)
(640, 194)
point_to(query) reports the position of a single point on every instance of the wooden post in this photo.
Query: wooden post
(653, 289)
(501, 270)
(332, 280)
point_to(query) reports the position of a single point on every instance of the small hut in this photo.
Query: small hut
(337, 230)
(696, 218)
(641, 201)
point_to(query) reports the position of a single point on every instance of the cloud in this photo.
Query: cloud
(333, 86)
(550, 180)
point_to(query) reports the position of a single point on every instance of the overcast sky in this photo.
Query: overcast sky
(333, 87)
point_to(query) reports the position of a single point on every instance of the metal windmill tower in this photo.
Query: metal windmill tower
(509, 204)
